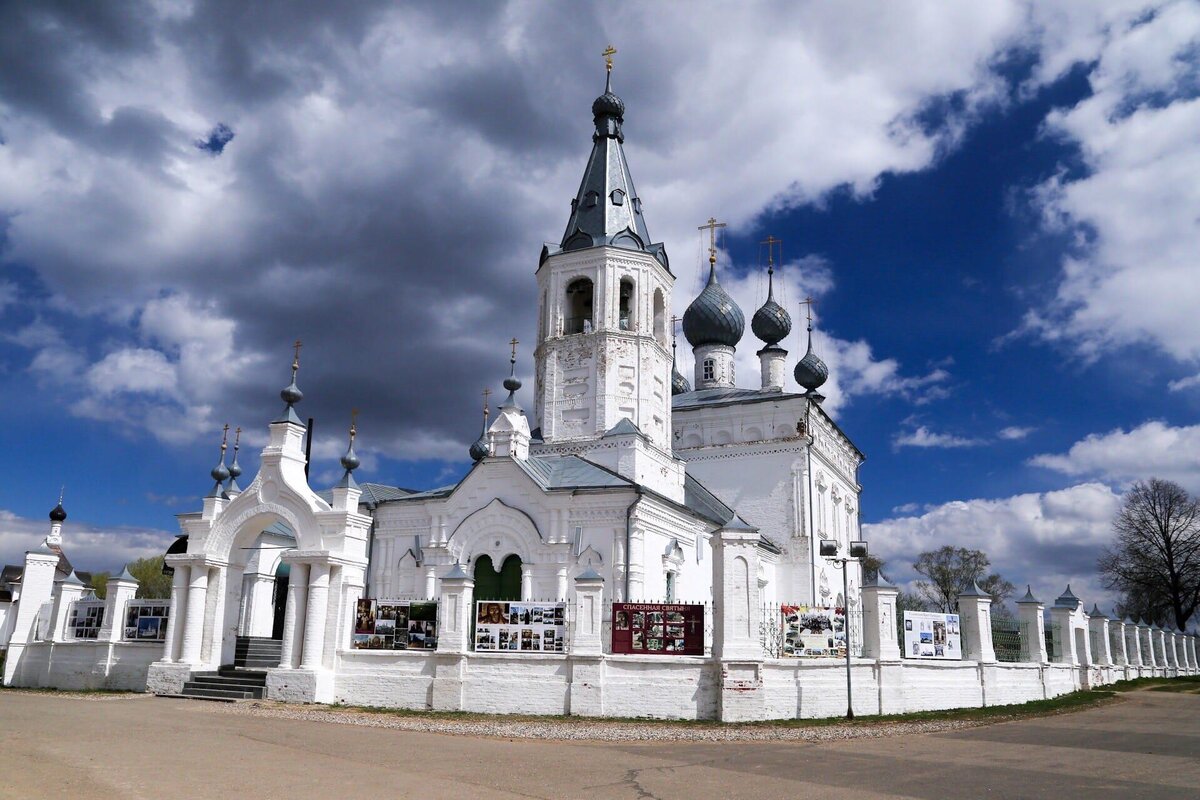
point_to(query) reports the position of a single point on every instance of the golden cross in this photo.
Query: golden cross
(514, 344)
(353, 423)
(808, 301)
(770, 242)
(608, 53)
(486, 394)
(237, 437)
(296, 360)
(711, 227)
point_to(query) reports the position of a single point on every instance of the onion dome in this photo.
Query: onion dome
(480, 449)
(350, 460)
(608, 105)
(235, 469)
(771, 323)
(512, 383)
(58, 513)
(220, 473)
(679, 384)
(713, 317)
(291, 394)
(811, 372)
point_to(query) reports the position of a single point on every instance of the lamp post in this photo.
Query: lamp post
(858, 551)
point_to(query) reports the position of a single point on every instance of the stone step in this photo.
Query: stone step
(224, 683)
(191, 690)
(252, 661)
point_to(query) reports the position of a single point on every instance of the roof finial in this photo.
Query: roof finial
(350, 460)
(511, 382)
(220, 473)
(58, 513)
(811, 372)
(235, 469)
(608, 53)
(480, 449)
(771, 323)
(292, 394)
(711, 226)
(770, 242)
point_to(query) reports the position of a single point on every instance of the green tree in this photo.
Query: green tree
(1155, 560)
(100, 584)
(152, 584)
(949, 571)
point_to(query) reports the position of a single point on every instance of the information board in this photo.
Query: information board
(932, 635)
(813, 632)
(519, 626)
(395, 625)
(673, 629)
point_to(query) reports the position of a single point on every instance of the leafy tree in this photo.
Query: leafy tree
(152, 584)
(949, 571)
(100, 584)
(1155, 560)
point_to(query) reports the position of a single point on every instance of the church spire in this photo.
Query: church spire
(606, 209)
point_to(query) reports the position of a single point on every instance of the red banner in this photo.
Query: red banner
(672, 629)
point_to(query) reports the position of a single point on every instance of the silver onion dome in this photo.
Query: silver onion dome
(811, 372)
(771, 323)
(713, 317)
(679, 384)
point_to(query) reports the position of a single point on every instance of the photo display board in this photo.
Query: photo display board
(520, 626)
(673, 629)
(932, 635)
(146, 621)
(395, 625)
(813, 632)
(86, 619)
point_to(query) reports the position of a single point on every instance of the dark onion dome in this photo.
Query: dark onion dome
(608, 105)
(480, 449)
(771, 323)
(58, 513)
(679, 384)
(220, 473)
(713, 317)
(350, 460)
(811, 372)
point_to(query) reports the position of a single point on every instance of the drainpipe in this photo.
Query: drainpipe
(629, 537)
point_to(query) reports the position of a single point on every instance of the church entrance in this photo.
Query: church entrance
(502, 584)
(280, 600)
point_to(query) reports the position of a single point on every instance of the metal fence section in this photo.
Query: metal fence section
(1010, 640)
(1053, 642)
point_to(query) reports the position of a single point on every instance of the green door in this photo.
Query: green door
(502, 585)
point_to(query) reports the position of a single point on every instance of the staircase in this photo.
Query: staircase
(227, 683)
(257, 652)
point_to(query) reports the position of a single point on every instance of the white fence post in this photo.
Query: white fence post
(1029, 612)
(120, 591)
(975, 615)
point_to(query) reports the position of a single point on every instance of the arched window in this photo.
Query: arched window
(578, 318)
(626, 308)
(709, 369)
(660, 317)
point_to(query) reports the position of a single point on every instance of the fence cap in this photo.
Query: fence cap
(974, 591)
(1155, 627)
(126, 576)
(72, 580)
(589, 574)
(880, 581)
(1029, 598)
(1067, 599)
(456, 573)
(1096, 612)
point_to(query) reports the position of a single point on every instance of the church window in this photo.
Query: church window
(578, 318)
(618, 197)
(591, 199)
(709, 369)
(625, 310)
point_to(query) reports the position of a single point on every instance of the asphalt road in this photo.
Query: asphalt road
(1146, 746)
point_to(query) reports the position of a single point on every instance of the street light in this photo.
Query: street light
(858, 552)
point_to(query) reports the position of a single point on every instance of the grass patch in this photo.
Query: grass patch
(1075, 701)
(1183, 683)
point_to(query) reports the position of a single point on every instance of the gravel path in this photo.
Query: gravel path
(592, 730)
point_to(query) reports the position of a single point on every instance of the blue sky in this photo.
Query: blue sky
(994, 204)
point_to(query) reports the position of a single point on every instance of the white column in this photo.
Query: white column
(589, 614)
(975, 614)
(193, 631)
(119, 592)
(735, 594)
(314, 622)
(179, 590)
(879, 620)
(1029, 612)
(293, 633)
(1098, 625)
(561, 576)
(68, 592)
(526, 582)
(458, 590)
(430, 582)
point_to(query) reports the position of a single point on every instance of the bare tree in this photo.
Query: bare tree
(949, 571)
(905, 601)
(1155, 561)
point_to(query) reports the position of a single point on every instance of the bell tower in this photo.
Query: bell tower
(603, 352)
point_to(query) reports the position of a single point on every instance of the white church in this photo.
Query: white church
(624, 484)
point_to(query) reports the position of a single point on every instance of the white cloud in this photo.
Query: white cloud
(1133, 211)
(1153, 449)
(1046, 539)
(132, 370)
(90, 548)
(1184, 383)
(1014, 432)
(921, 436)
